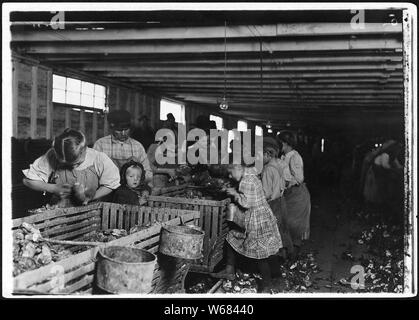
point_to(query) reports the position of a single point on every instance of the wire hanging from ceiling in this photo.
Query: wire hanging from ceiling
(261, 69)
(224, 104)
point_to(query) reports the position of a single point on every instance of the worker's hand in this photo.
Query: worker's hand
(172, 173)
(142, 201)
(145, 193)
(79, 192)
(231, 191)
(63, 190)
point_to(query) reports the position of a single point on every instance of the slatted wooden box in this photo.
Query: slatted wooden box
(212, 221)
(75, 274)
(169, 191)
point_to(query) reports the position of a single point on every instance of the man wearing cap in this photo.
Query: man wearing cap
(119, 146)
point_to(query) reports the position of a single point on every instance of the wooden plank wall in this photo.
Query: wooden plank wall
(137, 103)
(36, 116)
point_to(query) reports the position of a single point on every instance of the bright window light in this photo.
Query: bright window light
(77, 92)
(218, 121)
(241, 125)
(258, 131)
(177, 109)
(230, 138)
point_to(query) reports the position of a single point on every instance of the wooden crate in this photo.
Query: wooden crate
(169, 191)
(77, 272)
(212, 221)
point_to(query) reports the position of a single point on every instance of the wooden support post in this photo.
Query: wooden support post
(94, 127)
(145, 109)
(150, 106)
(117, 99)
(128, 102)
(68, 117)
(136, 107)
(49, 106)
(82, 121)
(34, 102)
(105, 125)
(156, 108)
(15, 97)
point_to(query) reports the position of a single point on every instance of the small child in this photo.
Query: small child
(260, 240)
(133, 186)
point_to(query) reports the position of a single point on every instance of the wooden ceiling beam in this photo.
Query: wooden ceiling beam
(271, 86)
(284, 57)
(243, 68)
(290, 92)
(307, 100)
(212, 32)
(92, 64)
(120, 47)
(253, 81)
(271, 92)
(252, 74)
(282, 100)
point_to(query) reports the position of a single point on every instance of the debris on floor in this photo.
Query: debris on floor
(201, 285)
(383, 262)
(299, 276)
(243, 283)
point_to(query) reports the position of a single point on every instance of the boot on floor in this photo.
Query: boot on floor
(228, 273)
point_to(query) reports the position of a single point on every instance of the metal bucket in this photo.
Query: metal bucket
(182, 242)
(125, 270)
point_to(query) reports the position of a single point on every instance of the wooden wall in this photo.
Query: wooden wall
(36, 116)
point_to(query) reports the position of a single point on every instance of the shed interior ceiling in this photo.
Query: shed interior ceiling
(316, 67)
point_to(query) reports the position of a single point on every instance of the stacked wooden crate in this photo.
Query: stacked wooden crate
(212, 221)
(75, 274)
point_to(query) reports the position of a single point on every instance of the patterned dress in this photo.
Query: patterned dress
(260, 238)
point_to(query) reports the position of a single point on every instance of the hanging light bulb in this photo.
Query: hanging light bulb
(269, 130)
(224, 104)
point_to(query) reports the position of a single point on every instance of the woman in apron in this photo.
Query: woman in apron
(73, 173)
(273, 183)
(297, 197)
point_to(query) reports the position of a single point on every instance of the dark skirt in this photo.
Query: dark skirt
(279, 208)
(389, 184)
(297, 218)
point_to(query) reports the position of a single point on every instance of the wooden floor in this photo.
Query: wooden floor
(332, 225)
(334, 231)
